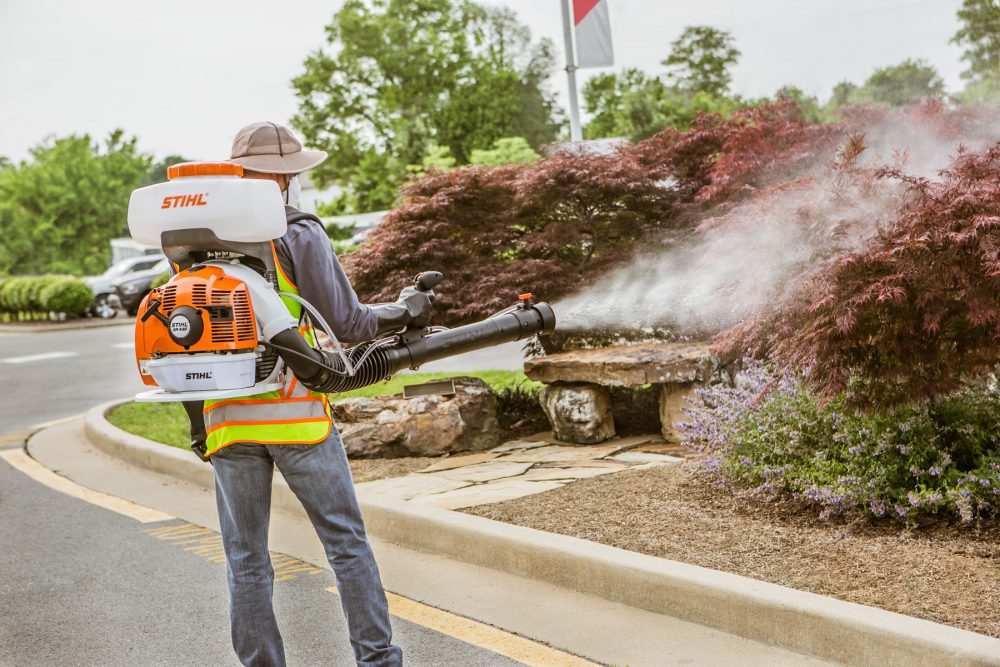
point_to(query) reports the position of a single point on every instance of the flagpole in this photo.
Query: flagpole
(575, 133)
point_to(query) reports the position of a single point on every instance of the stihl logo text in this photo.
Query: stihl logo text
(178, 201)
(198, 376)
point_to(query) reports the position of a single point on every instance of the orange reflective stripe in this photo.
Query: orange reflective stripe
(277, 265)
(291, 388)
(262, 401)
(274, 422)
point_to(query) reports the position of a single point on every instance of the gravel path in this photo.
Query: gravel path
(943, 574)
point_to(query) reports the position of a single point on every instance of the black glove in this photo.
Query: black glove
(413, 307)
(200, 448)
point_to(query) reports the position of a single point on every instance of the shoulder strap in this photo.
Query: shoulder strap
(295, 216)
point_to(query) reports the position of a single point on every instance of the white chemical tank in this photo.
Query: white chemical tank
(209, 195)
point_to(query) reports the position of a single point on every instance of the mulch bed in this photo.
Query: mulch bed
(942, 573)
(368, 470)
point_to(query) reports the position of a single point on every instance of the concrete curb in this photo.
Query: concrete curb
(804, 622)
(72, 325)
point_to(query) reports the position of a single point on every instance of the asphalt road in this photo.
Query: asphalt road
(82, 586)
(46, 376)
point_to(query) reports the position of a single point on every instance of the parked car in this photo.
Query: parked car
(102, 285)
(130, 289)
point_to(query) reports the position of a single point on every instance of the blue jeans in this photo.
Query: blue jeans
(321, 480)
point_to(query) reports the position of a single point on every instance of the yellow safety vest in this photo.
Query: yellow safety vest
(292, 415)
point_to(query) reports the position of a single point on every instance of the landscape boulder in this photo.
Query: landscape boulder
(392, 426)
(579, 412)
(577, 376)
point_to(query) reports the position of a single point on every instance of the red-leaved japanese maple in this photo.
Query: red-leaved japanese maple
(555, 226)
(911, 314)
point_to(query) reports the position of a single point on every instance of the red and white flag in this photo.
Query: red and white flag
(593, 33)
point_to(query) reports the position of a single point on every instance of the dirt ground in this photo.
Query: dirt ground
(940, 573)
(367, 470)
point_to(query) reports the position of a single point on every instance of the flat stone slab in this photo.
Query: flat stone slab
(483, 494)
(552, 453)
(518, 445)
(485, 472)
(646, 457)
(627, 365)
(569, 473)
(459, 461)
(412, 485)
(670, 449)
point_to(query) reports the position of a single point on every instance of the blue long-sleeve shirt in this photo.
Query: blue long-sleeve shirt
(308, 261)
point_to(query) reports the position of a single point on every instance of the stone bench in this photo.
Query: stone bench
(577, 399)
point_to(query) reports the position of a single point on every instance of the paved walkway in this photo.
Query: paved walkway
(521, 468)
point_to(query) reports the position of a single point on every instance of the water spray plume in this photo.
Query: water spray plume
(747, 260)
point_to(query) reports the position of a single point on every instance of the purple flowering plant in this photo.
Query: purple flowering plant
(771, 435)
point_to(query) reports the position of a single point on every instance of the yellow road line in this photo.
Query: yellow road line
(207, 544)
(479, 634)
(35, 470)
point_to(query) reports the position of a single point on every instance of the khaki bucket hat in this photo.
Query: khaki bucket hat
(273, 149)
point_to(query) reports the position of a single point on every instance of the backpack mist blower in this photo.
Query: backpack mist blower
(220, 329)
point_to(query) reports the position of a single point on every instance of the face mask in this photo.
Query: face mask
(293, 193)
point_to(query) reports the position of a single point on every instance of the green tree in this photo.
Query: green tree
(509, 150)
(843, 94)
(625, 105)
(403, 75)
(898, 85)
(980, 38)
(636, 105)
(438, 158)
(59, 209)
(700, 60)
(808, 104)
(503, 94)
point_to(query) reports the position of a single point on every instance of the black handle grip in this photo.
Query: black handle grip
(153, 310)
(428, 280)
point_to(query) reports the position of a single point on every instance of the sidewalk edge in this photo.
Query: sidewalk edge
(795, 620)
(71, 325)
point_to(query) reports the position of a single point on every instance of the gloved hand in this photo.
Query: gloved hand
(419, 305)
(198, 435)
(413, 307)
(199, 448)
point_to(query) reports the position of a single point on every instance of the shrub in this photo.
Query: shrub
(497, 232)
(560, 222)
(519, 412)
(66, 295)
(915, 310)
(34, 292)
(160, 280)
(509, 150)
(7, 288)
(772, 435)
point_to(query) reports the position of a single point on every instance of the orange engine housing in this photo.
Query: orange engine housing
(222, 302)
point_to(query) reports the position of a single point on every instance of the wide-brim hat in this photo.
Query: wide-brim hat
(272, 149)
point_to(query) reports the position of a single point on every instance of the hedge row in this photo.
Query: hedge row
(37, 297)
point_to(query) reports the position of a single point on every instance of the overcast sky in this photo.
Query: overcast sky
(184, 75)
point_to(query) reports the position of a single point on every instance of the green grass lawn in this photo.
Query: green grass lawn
(167, 422)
